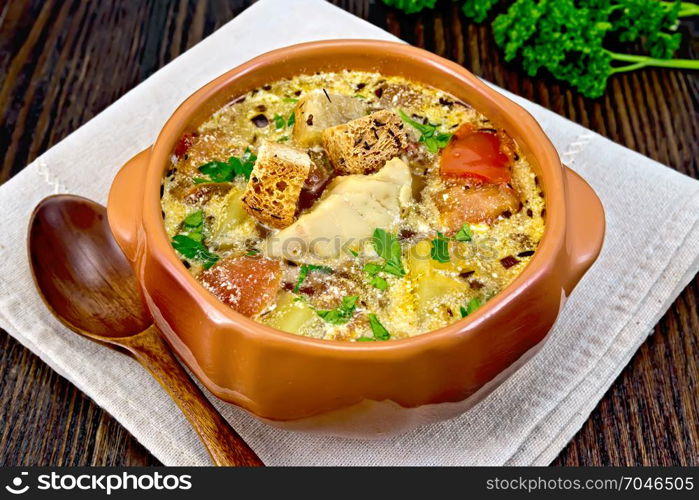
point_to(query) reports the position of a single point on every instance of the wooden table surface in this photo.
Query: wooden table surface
(64, 61)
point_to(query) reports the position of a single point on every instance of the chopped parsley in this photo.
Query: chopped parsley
(341, 314)
(433, 140)
(226, 171)
(280, 122)
(464, 234)
(283, 138)
(190, 243)
(388, 248)
(379, 282)
(440, 248)
(290, 99)
(472, 305)
(380, 332)
(307, 268)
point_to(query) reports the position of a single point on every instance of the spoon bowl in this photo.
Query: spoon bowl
(88, 284)
(80, 271)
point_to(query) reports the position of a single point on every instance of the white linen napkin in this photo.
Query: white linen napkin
(650, 253)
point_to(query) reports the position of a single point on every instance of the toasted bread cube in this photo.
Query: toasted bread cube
(272, 193)
(363, 145)
(318, 110)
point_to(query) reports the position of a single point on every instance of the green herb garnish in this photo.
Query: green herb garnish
(290, 99)
(464, 234)
(279, 122)
(190, 243)
(388, 248)
(433, 140)
(380, 332)
(193, 249)
(226, 171)
(472, 305)
(440, 248)
(341, 314)
(378, 282)
(291, 120)
(307, 268)
(283, 138)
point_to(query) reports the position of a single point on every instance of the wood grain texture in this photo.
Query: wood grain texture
(63, 61)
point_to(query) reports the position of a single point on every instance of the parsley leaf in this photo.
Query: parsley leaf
(380, 332)
(379, 282)
(307, 268)
(226, 171)
(472, 305)
(194, 221)
(341, 314)
(279, 122)
(291, 120)
(290, 99)
(283, 138)
(440, 248)
(193, 249)
(190, 244)
(432, 140)
(464, 234)
(388, 248)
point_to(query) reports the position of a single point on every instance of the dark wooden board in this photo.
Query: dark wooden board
(63, 61)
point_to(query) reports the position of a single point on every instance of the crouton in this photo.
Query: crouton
(319, 110)
(363, 145)
(272, 193)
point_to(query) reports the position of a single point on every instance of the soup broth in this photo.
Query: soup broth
(352, 206)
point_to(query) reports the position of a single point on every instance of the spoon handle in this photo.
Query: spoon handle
(224, 445)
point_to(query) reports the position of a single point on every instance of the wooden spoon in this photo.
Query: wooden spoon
(86, 281)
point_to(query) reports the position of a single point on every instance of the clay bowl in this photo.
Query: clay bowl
(362, 388)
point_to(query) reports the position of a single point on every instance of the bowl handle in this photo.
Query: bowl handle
(585, 229)
(125, 203)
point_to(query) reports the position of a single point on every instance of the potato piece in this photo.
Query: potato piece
(246, 284)
(317, 111)
(290, 315)
(231, 217)
(431, 287)
(363, 145)
(272, 193)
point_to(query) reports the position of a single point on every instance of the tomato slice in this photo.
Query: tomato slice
(476, 153)
(247, 284)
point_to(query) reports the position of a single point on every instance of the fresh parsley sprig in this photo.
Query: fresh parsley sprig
(380, 332)
(190, 243)
(388, 248)
(226, 171)
(342, 313)
(440, 244)
(433, 140)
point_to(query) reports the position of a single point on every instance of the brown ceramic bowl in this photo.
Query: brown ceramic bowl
(341, 387)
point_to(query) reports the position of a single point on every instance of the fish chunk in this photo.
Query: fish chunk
(346, 216)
